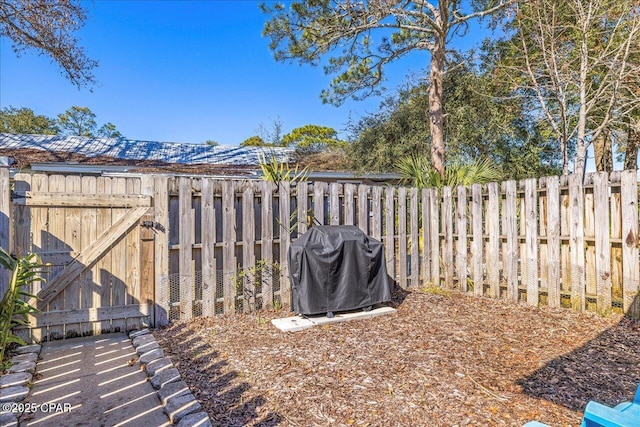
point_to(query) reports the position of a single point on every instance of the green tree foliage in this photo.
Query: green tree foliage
(24, 120)
(47, 27)
(397, 130)
(108, 130)
(358, 39)
(313, 139)
(417, 171)
(482, 122)
(81, 121)
(253, 141)
(575, 64)
(212, 143)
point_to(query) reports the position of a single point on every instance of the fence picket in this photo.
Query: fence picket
(6, 214)
(228, 246)
(319, 189)
(186, 245)
(248, 249)
(477, 239)
(553, 241)
(285, 241)
(603, 243)
(590, 236)
(40, 243)
(447, 228)
(88, 236)
(565, 220)
(363, 208)
(334, 203)
(376, 212)
(543, 266)
(415, 239)
(208, 238)
(576, 243)
(402, 237)
(118, 260)
(389, 231)
(161, 250)
(630, 267)
(434, 234)
(510, 254)
(425, 252)
(302, 203)
(492, 221)
(349, 204)
(266, 247)
(531, 241)
(461, 230)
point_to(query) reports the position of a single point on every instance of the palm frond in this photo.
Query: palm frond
(418, 172)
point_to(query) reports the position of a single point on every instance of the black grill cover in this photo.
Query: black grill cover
(337, 268)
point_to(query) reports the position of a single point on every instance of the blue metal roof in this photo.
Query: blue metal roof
(127, 149)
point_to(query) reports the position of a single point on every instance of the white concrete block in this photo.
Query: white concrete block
(292, 324)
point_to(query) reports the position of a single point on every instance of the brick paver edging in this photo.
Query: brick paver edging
(175, 396)
(14, 385)
(177, 400)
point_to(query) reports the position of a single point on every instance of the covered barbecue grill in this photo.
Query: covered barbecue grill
(337, 268)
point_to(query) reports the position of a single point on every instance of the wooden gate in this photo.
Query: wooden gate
(90, 232)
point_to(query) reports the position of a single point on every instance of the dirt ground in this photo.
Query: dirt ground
(452, 360)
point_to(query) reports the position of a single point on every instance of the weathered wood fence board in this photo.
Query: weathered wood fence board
(86, 230)
(6, 228)
(160, 248)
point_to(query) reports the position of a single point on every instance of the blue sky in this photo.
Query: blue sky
(185, 71)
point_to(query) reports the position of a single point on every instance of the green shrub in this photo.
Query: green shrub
(14, 308)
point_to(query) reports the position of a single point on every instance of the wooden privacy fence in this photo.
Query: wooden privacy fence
(550, 241)
(86, 230)
(130, 249)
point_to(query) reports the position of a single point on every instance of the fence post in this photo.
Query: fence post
(285, 242)
(161, 250)
(5, 223)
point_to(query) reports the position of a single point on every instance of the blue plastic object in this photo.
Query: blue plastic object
(625, 414)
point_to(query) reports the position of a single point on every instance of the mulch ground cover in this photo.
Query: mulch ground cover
(441, 360)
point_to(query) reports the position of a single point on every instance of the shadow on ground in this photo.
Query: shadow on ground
(606, 369)
(217, 386)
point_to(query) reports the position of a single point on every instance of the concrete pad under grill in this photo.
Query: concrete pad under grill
(299, 323)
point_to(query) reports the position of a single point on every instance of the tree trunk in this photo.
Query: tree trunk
(582, 145)
(436, 114)
(633, 143)
(602, 151)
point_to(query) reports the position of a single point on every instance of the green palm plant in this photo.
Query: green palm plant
(14, 308)
(418, 172)
(276, 171)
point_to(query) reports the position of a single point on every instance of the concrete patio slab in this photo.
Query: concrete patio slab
(299, 323)
(292, 324)
(92, 381)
